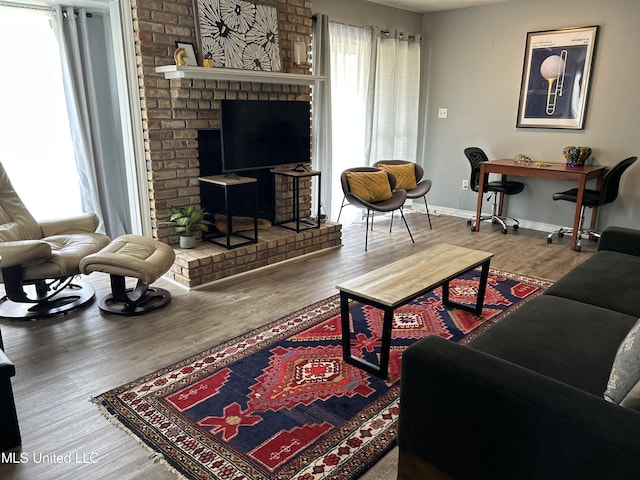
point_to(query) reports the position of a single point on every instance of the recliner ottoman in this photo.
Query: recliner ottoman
(134, 256)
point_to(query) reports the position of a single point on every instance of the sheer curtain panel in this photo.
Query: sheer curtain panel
(397, 88)
(351, 49)
(321, 110)
(93, 118)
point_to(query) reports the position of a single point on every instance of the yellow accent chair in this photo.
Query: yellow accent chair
(362, 187)
(412, 175)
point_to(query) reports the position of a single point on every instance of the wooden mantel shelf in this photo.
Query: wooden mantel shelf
(232, 74)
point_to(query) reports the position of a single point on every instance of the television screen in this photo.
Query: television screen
(264, 134)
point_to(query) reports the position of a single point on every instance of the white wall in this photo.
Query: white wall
(474, 61)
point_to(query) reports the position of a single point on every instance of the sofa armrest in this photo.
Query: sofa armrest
(474, 415)
(83, 223)
(619, 239)
(7, 368)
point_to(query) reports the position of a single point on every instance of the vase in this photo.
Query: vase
(187, 242)
(576, 156)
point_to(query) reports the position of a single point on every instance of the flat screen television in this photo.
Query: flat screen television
(258, 134)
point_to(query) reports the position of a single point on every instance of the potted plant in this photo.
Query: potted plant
(186, 221)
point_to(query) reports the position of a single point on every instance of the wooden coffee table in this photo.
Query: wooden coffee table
(398, 283)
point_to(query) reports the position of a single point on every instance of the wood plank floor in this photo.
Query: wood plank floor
(63, 362)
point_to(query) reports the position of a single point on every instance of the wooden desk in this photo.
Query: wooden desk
(557, 171)
(398, 283)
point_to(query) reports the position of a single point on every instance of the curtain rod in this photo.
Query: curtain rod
(411, 37)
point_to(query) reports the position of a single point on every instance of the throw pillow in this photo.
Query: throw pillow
(405, 174)
(625, 373)
(370, 186)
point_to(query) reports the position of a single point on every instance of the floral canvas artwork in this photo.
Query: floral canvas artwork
(239, 34)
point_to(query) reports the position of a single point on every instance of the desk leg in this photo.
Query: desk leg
(480, 190)
(594, 210)
(576, 218)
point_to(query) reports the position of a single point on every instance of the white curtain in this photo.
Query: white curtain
(368, 108)
(350, 59)
(97, 148)
(397, 89)
(321, 109)
(35, 141)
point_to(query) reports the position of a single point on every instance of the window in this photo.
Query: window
(36, 148)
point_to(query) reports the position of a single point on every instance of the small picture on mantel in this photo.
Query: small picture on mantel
(238, 34)
(190, 58)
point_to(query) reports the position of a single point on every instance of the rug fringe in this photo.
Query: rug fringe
(153, 455)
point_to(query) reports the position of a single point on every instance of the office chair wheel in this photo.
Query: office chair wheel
(516, 226)
(504, 231)
(578, 248)
(549, 240)
(560, 234)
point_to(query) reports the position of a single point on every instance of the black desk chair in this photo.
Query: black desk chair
(419, 188)
(591, 199)
(476, 156)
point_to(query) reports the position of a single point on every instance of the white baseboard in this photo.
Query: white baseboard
(436, 211)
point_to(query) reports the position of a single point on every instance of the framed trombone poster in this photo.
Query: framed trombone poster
(555, 78)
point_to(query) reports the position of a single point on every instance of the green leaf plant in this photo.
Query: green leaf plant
(187, 220)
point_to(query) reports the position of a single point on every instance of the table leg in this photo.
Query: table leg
(229, 218)
(381, 369)
(344, 320)
(482, 288)
(576, 218)
(480, 190)
(594, 210)
(385, 348)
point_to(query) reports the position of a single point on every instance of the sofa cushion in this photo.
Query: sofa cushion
(370, 186)
(572, 342)
(625, 373)
(607, 279)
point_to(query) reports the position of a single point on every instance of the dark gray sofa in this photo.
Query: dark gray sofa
(524, 400)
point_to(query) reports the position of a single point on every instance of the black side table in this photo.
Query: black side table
(296, 175)
(228, 182)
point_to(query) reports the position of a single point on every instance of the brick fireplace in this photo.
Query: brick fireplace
(174, 111)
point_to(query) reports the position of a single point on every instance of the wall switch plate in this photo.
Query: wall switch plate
(465, 184)
(442, 113)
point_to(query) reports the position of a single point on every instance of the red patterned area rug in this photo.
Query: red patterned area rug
(280, 403)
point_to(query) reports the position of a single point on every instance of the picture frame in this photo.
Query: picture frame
(238, 35)
(556, 77)
(191, 58)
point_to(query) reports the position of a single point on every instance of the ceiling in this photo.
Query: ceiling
(425, 6)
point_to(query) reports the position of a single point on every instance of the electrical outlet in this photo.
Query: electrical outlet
(465, 184)
(442, 113)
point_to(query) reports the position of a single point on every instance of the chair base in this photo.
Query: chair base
(75, 295)
(133, 301)
(590, 234)
(495, 218)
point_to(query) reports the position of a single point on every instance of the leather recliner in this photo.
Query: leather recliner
(39, 260)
